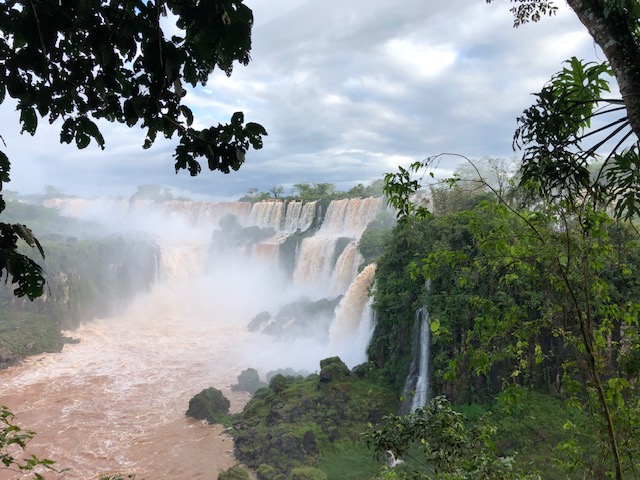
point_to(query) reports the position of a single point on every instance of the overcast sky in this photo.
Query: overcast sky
(347, 89)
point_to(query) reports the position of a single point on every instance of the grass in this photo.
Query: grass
(348, 460)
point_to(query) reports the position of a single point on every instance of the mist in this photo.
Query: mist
(221, 265)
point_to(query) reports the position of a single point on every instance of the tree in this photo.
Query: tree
(155, 193)
(564, 270)
(276, 191)
(82, 61)
(450, 449)
(556, 134)
(313, 191)
(615, 27)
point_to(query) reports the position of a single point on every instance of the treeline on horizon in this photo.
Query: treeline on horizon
(305, 191)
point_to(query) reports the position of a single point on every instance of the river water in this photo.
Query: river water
(116, 401)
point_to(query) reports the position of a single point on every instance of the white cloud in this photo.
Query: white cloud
(425, 61)
(347, 91)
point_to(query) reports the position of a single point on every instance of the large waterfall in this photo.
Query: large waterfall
(115, 401)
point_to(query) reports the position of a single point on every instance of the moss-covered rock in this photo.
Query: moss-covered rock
(210, 405)
(333, 369)
(298, 319)
(278, 383)
(249, 381)
(288, 425)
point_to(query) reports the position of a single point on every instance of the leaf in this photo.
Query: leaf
(82, 140)
(68, 130)
(29, 120)
(237, 119)
(187, 113)
(88, 127)
(435, 325)
(5, 166)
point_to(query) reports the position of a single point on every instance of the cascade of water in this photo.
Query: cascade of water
(107, 393)
(417, 383)
(351, 329)
(313, 262)
(299, 216)
(422, 384)
(349, 310)
(267, 252)
(208, 213)
(267, 214)
(346, 268)
(349, 217)
(346, 218)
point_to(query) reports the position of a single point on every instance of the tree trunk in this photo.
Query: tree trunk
(614, 33)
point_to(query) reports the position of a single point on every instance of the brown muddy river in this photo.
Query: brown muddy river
(116, 401)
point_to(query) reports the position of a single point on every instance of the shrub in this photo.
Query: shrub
(237, 472)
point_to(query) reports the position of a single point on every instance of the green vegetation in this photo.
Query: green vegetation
(304, 422)
(311, 192)
(155, 193)
(540, 296)
(237, 472)
(448, 448)
(375, 237)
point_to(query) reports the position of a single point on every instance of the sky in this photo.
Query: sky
(347, 90)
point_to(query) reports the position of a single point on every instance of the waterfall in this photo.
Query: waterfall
(317, 264)
(422, 385)
(351, 329)
(322, 264)
(346, 267)
(417, 383)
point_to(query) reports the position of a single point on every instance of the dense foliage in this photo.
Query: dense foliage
(298, 422)
(449, 448)
(542, 297)
(82, 62)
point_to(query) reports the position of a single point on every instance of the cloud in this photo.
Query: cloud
(347, 91)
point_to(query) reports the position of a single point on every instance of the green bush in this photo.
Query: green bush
(266, 472)
(237, 472)
(278, 383)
